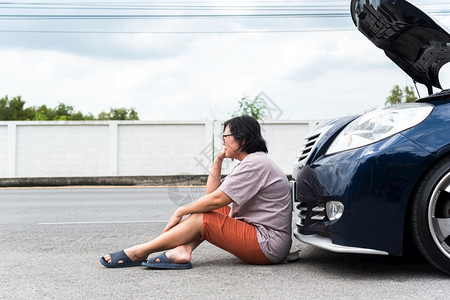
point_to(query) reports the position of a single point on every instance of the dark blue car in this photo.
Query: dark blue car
(380, 183)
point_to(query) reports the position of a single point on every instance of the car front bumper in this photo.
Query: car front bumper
(373, 183)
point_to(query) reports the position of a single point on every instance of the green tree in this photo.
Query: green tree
(410, 95)
(63, 112)
(13, 109)
(397, 95)
(43, 113)
(119, 114)
(40, 116)
(255, 108)
(78, 116)
(66, 113)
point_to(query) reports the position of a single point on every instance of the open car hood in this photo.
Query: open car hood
(407, 35)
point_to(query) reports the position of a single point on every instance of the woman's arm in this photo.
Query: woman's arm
(215, 174)
(207, 203)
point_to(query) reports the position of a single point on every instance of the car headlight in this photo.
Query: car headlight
(379, 124)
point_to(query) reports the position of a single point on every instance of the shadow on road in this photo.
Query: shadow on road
(359, 266)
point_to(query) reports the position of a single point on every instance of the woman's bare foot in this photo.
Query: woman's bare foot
(178, 255)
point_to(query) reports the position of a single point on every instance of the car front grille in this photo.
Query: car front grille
(310, 211)
(308, 145)
(312, 219)
(316, 213)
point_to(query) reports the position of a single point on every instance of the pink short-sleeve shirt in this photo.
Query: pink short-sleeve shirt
(262, 197)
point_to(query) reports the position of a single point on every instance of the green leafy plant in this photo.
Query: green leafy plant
(397, 95)
(255, 108)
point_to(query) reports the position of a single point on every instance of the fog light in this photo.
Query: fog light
(335, 209)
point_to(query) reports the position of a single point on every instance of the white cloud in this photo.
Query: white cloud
(310, 75)
(296, 70)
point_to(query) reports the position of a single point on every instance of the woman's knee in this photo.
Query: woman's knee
(196, 218)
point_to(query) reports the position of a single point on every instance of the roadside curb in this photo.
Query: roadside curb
(170, 180)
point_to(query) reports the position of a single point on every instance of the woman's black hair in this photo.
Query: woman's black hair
(247, 133)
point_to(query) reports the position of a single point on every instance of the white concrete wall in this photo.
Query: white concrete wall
(3, 151)
(62, 150)
(160, 149)
(130, 148)
(284, 140)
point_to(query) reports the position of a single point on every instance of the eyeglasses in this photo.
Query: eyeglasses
(225, 135)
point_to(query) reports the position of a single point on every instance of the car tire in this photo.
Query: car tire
(430, 215)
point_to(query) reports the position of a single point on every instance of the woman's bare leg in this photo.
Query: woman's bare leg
(186, 235)
(183, 253)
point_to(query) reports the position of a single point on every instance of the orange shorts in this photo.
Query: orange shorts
(235, 236)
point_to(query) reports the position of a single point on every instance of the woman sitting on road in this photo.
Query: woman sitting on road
(257, 226)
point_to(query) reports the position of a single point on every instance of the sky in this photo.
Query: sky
(306, 57)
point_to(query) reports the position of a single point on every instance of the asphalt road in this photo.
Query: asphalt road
(51, 241)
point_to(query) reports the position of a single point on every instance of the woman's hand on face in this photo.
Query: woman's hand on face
(174, 220)
(221, 155)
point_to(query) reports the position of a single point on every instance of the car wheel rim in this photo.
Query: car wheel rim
(439, 215)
